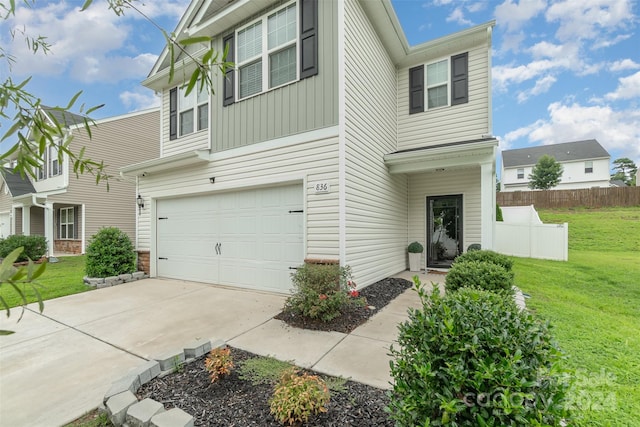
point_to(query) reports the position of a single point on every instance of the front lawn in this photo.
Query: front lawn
(593, 300)
(59, 279)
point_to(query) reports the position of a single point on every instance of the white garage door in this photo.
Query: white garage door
(247, 238)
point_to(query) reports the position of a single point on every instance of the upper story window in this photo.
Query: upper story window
(440, 83)
(267, 54)
(188, 113)
(520, 173)
(588, 167)
(50, 164)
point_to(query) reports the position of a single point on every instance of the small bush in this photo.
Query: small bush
(297, 397)
(473, 358)
(487, 256)
(499, 214)
(415, 248)
(219, 363)
(481, 275)
(35, 247)
(262, 370)
(110, 253)
(321, 291)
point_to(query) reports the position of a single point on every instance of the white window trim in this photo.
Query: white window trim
(266, 52)
(518, 173)
(53, 152)
(427, 86)
(587, 167)
(195, 108)
(72, 223)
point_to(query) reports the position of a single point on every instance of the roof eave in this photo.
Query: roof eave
(166, 163)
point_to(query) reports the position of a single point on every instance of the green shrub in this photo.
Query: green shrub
(35, 247)
(296, 397)
(487, 256)
(110, 253)
(481, 275)
(321, 291)
(262, 370)
(415, 248)
(473, 358)
(499, 214)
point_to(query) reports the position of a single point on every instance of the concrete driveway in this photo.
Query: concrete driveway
(58, 365)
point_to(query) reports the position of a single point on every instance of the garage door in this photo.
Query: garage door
(247, 238)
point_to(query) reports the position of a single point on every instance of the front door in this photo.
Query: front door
(444, 230)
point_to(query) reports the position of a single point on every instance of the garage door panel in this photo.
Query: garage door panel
(246, 238)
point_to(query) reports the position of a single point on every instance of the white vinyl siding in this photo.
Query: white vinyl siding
(463, 181)
(463, 122)
(376, 202)
(314, 161)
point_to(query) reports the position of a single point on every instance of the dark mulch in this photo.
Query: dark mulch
(377, 296)
(233, 401)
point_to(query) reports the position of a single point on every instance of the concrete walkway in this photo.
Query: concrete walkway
(58, 365)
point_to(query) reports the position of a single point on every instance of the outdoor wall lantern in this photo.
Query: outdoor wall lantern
(140, 203)
(212, 179)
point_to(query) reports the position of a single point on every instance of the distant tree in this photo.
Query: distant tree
(497, 185)
(625, 170)
(545, 174)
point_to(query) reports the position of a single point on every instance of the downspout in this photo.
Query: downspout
(48, 223)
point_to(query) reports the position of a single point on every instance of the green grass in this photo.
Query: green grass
(593, 302)
(59, 279)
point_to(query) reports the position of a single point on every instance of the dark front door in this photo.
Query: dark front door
(444, 230)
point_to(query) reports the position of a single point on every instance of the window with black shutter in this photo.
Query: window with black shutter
(459, 79)
(416, 89)
(173, 113)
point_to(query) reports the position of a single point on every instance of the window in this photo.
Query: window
(66, 223)
(588, 167)
(438, 84)
(197, 102)
(520, 173)
(41, 172)
(267, 53)
(442, 83)
(55, 168)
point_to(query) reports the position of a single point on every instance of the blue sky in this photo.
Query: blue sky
(562, 70)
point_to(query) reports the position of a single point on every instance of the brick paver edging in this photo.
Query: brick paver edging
(122, 406)
(105, 282)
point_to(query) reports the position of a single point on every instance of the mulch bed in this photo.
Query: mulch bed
(233, 401)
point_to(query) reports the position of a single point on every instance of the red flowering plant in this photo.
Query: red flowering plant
(322, 291)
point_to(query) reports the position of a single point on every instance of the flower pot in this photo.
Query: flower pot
(414, 261)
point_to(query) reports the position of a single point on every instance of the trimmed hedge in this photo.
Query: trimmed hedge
(481, 275)
(487, 256)
(473, 358)
(110, 253)
(35, 247)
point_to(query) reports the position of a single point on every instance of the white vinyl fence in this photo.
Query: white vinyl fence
(527, 237)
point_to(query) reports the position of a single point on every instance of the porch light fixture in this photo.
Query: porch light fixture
(140, 203)
(212, 179)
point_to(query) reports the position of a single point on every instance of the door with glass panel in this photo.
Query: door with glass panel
(444, 230)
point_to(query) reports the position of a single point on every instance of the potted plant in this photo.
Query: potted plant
(415, 250)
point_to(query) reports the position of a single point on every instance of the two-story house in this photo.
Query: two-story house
(66, 209)
(332, 139)
(585, 164)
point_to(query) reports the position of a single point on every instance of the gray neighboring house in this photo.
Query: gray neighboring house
(66, 209)
(586, 164)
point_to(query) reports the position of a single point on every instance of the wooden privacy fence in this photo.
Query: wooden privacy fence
(587, 197)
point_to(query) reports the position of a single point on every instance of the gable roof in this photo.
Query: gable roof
(63, 118)
(18, 186)
(565, 152)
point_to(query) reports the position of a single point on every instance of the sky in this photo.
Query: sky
(562, 70)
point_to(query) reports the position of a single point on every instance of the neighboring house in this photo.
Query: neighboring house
(332, 140)
(617, 183)
(585, 165)
(69, 210)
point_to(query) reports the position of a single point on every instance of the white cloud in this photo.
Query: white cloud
(585, 19)
(542, 86)
(604, 42)
(458, 16)
(628, 88)
(89, 46)
(476, 7)
(503, 76)
(515, 15)
(616, 130)
(441, 2)
(623, 65)
(140, 99)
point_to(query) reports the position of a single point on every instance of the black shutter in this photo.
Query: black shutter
(308, 38)
(173, 113)
(460, 79)
(416, 89)
(228, 96)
